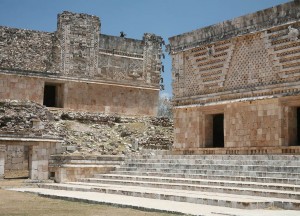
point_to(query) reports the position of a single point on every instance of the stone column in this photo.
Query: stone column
(2, 160)
(39, 161)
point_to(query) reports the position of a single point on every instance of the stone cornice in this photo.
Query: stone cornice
(255, 22)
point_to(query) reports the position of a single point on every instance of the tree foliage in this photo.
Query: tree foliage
(165, 107)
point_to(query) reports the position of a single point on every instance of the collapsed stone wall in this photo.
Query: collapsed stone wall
(18, 117)
(86, 132)
(96, 133)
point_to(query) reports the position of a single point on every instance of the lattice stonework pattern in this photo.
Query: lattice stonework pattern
(284, 47)
(250, 65)
(205, 68)
(253, 60)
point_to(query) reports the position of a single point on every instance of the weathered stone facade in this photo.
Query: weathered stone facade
(236, 84)
(39, 151)
(76, 67)
(16, 157)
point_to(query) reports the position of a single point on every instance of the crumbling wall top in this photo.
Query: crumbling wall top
(109, 42)
(80, 19)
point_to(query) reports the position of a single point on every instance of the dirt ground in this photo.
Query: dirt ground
(16, 203)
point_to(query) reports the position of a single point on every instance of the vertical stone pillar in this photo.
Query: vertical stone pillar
(78, 36)
(2, 160)
(152, 62)
(39, 161)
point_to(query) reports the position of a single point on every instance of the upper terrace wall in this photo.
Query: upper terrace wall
(25, 50)
(260, 20)
(126, 45)
(250, 56)
(78, 50)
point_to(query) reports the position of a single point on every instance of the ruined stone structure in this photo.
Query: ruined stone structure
(38, 154)
(79, 68)
(236, 84)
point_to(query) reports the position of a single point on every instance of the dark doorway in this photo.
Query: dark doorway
(298, 125)
(50, 96)
(218, 130)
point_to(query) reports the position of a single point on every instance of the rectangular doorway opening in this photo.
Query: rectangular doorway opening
(53, 95)
(218, 130)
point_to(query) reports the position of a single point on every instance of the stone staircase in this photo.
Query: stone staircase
(235, 181)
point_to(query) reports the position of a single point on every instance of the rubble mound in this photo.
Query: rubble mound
(95, 133)
(25, 118)
(86, 132)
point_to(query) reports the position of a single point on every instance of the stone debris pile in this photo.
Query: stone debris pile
(86, 133)
(25, 118)
(95, 133)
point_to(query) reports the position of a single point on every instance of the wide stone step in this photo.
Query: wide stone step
(219, 157)
(217, 162)
(197, 182)
(213, 172)
(207, 198)
(255, 190)
(295, 181)
(293, 169)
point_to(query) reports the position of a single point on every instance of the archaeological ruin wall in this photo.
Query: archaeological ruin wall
(236, 84)
(77, 67)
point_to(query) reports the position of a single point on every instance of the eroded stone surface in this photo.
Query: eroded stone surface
(89, 70)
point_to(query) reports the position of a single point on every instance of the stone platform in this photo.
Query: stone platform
(240, 182)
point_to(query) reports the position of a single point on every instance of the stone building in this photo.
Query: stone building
(76, 68)
(236, 84)
(79, 68)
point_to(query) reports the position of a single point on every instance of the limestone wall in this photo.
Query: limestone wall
(16, 157)
(71, 168)
(81, 51)
(260, 123)
(110, 98)
(39, 160)
(98, 97)
(262, 60)
(34, 153)
(25, 50)
(242, 69)
(187, 128)
(254, 124)
(2, 160)
(119, 44)
(21, 88)
(260, 20)
(78, 51)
